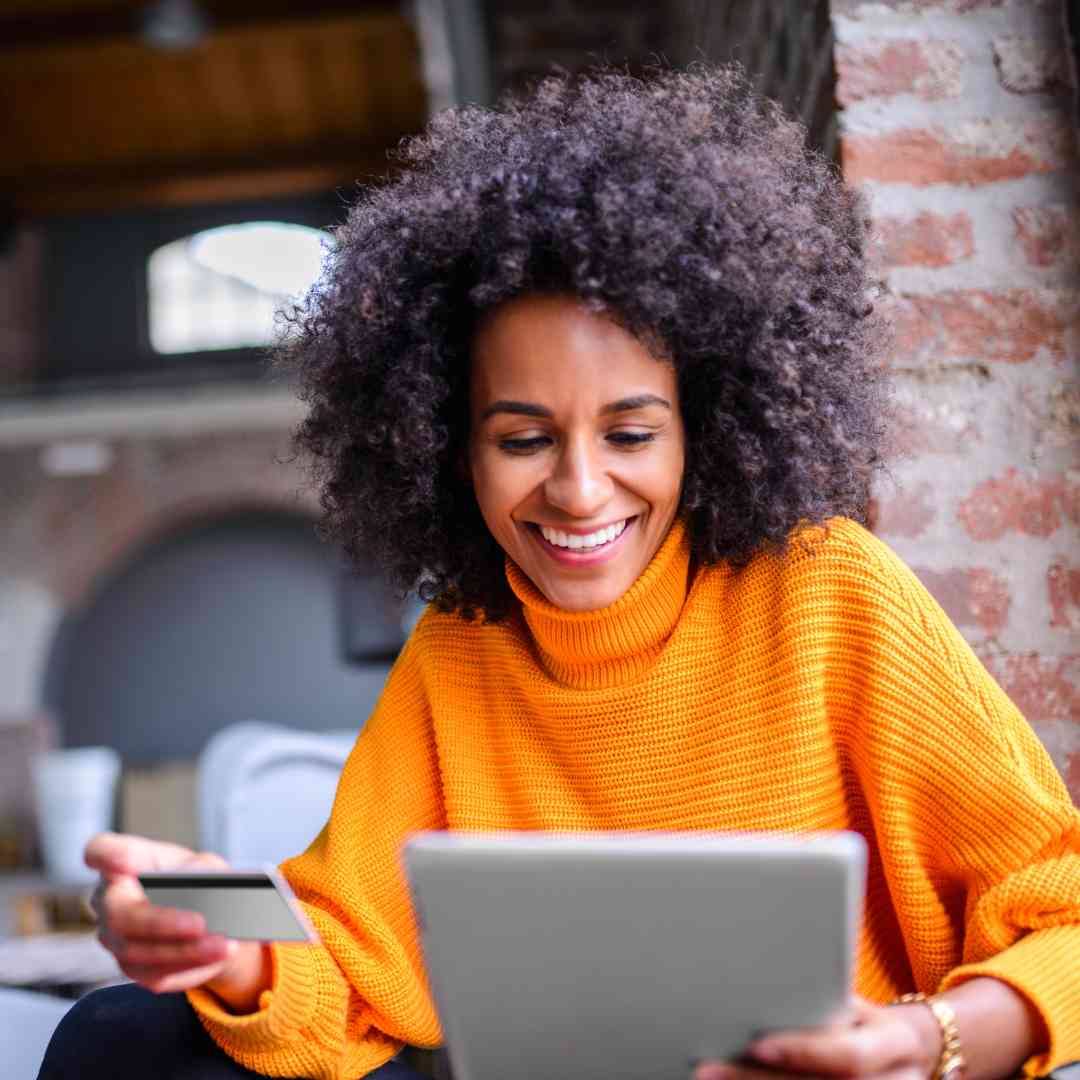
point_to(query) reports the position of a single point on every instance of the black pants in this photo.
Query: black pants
(128, 1033)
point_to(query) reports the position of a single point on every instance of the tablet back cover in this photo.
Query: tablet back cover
(630, 956)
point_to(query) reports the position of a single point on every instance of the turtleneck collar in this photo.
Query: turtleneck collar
(615, 644)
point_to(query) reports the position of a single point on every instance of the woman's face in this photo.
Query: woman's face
(576, 447)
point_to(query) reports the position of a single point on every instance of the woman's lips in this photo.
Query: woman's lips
(578, 556)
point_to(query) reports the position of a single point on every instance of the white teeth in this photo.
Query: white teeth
(577, 543)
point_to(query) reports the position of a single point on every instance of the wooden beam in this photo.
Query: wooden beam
(90, 23)
(275, 95)
(56, 195)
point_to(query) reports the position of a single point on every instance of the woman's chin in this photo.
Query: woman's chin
(583, 595)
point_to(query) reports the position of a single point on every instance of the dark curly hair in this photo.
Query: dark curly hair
(685, 206)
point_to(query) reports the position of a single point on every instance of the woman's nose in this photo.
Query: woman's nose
(578, 484)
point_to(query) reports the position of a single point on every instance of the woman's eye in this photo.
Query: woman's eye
(630, 438)
(538, 442)
(524, 446)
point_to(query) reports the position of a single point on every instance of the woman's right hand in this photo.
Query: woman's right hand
(165, 949)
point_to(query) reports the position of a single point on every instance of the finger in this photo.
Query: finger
(143, 920)
(878, 1044)
(737, 1070)
(125, 910)
(165, 981)
(207, 859)
(176, 956)
(121, 853)
(157, 952)
(111, 899)
(97, 899)
(731, 1070)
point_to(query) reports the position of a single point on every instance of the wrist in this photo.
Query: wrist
(929, 1037)
(243, 979)
(951, 1063)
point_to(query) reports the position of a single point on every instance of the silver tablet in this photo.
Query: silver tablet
(630, 955)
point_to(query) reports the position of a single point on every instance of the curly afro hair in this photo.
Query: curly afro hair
(683, 205)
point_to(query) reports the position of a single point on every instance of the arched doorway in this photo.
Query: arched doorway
(234, 618)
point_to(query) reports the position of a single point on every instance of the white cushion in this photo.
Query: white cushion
(27, 1022)
(265, 791)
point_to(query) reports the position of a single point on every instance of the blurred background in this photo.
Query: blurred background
(170, 172)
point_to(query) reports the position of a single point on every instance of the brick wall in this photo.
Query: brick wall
(63, 534)
(957, 122)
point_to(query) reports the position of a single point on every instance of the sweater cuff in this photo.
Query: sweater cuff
(294, 1009)
(1042, 967)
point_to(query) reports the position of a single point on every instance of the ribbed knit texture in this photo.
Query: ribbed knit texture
(821, 690)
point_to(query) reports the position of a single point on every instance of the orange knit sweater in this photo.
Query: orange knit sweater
(822, 690)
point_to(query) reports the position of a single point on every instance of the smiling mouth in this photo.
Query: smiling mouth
(572, 543)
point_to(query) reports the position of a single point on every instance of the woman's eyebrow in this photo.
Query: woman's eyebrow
(639, 401)
(519, 408)
(528, 408)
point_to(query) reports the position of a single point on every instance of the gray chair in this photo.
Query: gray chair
(264, 791)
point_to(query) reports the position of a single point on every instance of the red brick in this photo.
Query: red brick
(926, 240)
(1028, 65)
(1013, 502)
(1012, 325)
(1063, 589)
(974, 597)
(905, 514)
(1049, 236)
(881, 69)
(969, 152)
(1043, 688)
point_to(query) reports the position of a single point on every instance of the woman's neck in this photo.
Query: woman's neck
(618, 643)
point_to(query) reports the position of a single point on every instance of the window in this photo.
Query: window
(223, 288)
(172, 296)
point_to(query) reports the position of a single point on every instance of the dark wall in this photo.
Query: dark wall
(236, 619)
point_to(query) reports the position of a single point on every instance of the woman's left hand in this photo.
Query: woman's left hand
(900, 1042)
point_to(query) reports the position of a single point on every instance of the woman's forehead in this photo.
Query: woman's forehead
(556, 348)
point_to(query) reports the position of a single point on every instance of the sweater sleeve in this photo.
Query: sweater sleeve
(344, 1007)
(968, 806)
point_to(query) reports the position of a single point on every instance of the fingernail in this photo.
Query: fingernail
(712, 1071)
(768, 1052)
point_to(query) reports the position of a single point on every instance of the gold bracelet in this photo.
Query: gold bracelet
(951, 1064)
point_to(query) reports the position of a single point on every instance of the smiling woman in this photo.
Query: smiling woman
(600, 371)
(576, 449)
(689, 213)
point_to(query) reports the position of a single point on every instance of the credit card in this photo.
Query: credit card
(247, 905)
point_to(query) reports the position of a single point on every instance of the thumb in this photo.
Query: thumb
(208, 860)
(117, 854)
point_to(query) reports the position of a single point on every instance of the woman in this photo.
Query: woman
(600, 372)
